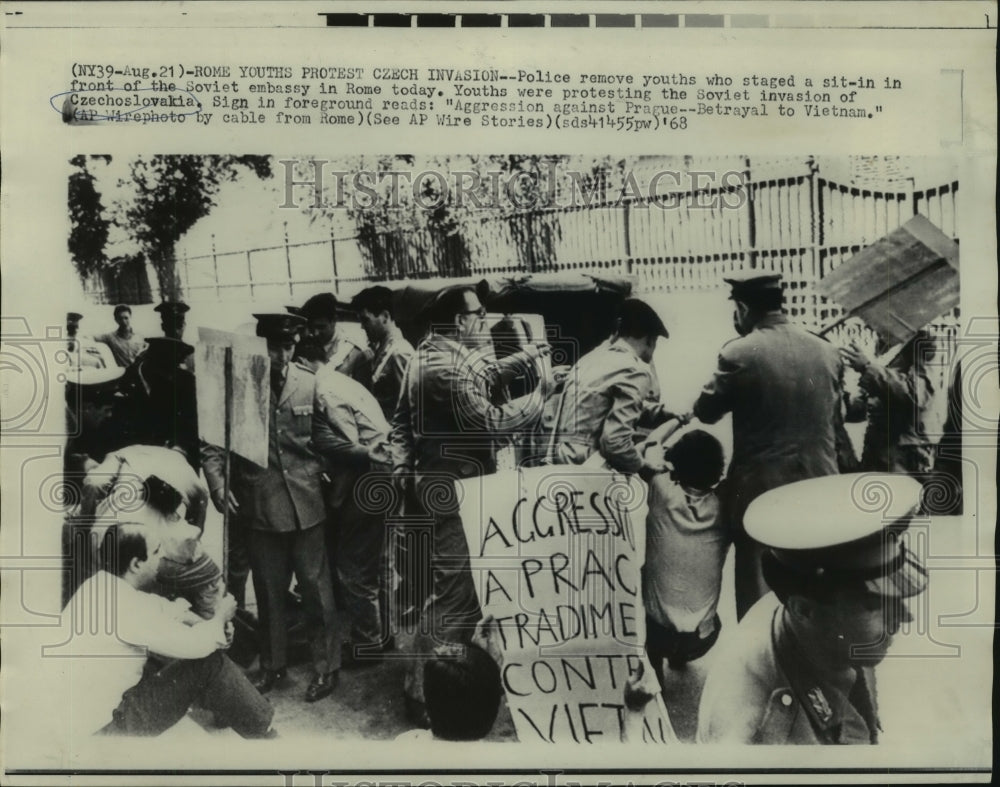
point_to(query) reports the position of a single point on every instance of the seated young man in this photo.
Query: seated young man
(138, 661)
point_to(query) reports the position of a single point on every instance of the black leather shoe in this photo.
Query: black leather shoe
(322, 686)
(268, 679)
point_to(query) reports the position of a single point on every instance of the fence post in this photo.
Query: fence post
(627, 234)
(215, 269)
(249, 274)
(333, 259)
(288, 263)
(816, 236)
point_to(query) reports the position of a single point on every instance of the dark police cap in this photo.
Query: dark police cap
(638, 318)
(279, 327)
(73, 316)
(843, 530)
(172, 307)
(296, 310)
(749, 283)
(96, 386)
(164, 351)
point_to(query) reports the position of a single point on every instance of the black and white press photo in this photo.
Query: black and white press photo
(518, 448)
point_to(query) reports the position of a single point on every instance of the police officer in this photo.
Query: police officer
(173, 318)
(280, 509)
(782, 385)
(160, 399)
(801, 666)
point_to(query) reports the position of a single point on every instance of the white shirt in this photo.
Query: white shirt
(108, 628)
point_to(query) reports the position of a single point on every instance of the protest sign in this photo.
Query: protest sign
(556, 553)
(243, 380)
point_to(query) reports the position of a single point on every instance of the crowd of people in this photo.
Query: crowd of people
(342, 417)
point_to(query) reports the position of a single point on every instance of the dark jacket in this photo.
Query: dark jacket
(783, 387)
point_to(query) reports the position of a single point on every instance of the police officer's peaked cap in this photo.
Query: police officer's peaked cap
(296, 310)
(750, 283)
(843, 529)
(99, 386)
(164, 351)
(638, 318)
(324, 305)
(279, 327)
(73, 316)
(172, 307)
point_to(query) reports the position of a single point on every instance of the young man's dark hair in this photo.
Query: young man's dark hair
(120, 545)
(375, 299)
(447, 304)
(637, 320)
(121, 309)
(462, 695)
(697, 459)
(161, 496)
(323, 306)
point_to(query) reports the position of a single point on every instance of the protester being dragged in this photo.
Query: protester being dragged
(607, 395)
(125, 344)
(800, 668)
(351, 434)
(686, 547)
(899, 399)
(148, 481)
(783, 386)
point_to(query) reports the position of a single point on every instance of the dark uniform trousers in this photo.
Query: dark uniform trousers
(281, 515)
(274, 557)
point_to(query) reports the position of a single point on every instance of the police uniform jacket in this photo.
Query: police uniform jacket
(606, 394)
(445, 421)
(782, 385)
(287, 495)
(761, 689)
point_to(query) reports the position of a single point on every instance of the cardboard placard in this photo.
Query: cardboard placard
(249, 386)
(556, 554)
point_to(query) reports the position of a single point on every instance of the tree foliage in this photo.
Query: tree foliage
(160, 200)
(88, 233)
(171, 193)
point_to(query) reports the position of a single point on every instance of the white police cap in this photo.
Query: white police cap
(844, 528)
